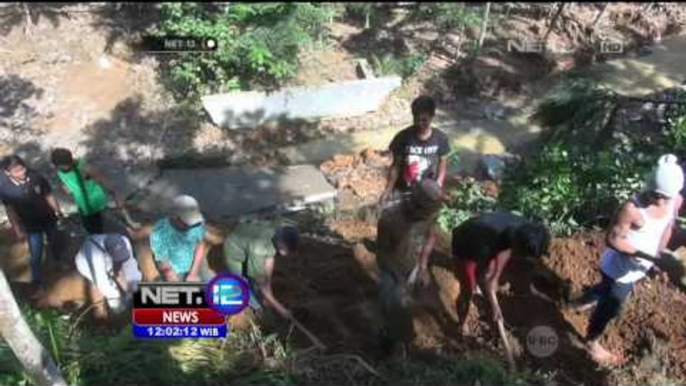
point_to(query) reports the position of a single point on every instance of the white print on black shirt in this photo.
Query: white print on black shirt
(417, 162)
(419, 150)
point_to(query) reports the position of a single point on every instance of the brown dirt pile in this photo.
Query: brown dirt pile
(361, 177)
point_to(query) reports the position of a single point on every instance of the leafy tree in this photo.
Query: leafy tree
(257, 44)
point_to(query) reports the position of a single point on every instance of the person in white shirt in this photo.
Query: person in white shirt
(107, 262)
(638, 237)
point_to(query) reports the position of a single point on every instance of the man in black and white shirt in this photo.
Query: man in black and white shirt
(419, 151)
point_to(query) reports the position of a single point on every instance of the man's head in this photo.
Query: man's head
(62, 159)
(423, 112)
(531, 241)
(116, 247)
(14, 167)
(185, 213)
(425, 200)
(286, 240)
(666, 181)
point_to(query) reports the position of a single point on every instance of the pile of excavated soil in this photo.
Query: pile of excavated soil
(332, 287)
(648, 322)
(360, 178)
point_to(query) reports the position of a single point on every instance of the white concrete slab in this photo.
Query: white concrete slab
(336, 100)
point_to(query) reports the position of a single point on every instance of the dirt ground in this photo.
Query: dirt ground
(331, 287)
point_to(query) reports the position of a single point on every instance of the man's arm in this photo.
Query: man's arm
(104, 181)
(396, 149)
(268, 294)
(667, 235)
(427, 248)
(198, 256)
(167, 271)
(392, 177)
(444, 152)
(15, 222)
(495, 269)
(54, 204)
(617, 236)
(442, 170)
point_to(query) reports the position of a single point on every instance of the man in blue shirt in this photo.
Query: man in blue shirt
(178, 243)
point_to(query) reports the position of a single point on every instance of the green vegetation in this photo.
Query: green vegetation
(463, 202)
(403, 66)
(570, 185)
(258, 44)
(585, 168)
(89, 357)
(453, 15)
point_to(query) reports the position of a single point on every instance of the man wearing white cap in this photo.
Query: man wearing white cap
(178, 243)
(638, 236)
(107, 262)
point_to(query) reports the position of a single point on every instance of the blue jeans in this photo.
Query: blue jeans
(611, 297)
(36, 241)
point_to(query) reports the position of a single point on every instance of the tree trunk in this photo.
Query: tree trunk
(13, 328)
(600, 14)
(27, 18)
(560, 8)
(484, 26)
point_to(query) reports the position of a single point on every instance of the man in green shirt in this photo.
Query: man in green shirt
(87, 187)
(251, 250)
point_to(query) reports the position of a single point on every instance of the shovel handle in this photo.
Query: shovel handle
(506, 343)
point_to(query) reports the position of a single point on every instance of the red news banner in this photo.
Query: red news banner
(166, 316)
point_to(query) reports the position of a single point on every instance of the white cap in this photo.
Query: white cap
(188, 210)
(668, 177)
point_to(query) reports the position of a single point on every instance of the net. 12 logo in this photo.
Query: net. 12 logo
(188, 310)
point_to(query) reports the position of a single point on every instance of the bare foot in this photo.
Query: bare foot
(602, 355)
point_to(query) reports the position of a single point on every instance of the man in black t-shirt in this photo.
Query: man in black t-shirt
(31, 209)
(482, 247)
(419, 151)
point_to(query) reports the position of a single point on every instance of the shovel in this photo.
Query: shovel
(506, 343)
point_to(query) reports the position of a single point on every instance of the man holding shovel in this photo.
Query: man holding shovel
(251, 250)
(640, 232)
(403, 260)
(88, 188)
(482, 246)
(419, 152)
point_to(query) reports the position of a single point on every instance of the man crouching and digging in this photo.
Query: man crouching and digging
(483, 245)
(402, 233)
